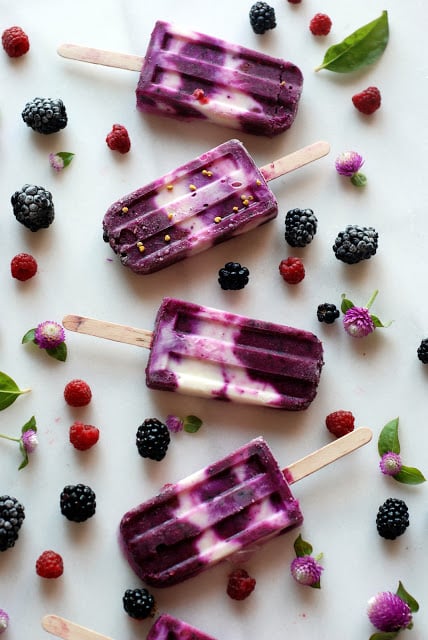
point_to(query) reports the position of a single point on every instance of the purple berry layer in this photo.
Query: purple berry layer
(241, 500)
(168, 628)
(208, 200)
(189, 75)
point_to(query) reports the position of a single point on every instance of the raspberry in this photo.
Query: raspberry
(320, 24)
(49, 565)
(83, 436)
(292, 270)
(240, 584)
(118, 139)
(339, 423)
(15, 42)
(77, 393)
(367, 101)
(23, 267)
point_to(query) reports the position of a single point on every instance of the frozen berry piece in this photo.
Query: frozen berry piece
(118, 139)
(45, 115)
(15, 42)
(339, 423)
(367, 101)
(12, 515)
(23, 266)
(327, 312)
(77, 502)
(77, 393)
(233, 276)
(262, 17)
(139, 603)
(292, 270)
(392, 518)
(423, 351)
(300, 227)
(83, 436)
(49, 565)
(33, 207)
(320, 25)
(152, 439)
(240, 584)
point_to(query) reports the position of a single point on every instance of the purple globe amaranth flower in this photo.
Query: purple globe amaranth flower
(358, 322)
(306, 570)
(49, 334)
(348, 163)
(56, 162)
(4, 620)
(388, 612)
(29, 440)
(390, 463)
(174, 423)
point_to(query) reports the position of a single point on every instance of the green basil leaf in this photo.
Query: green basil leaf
(362, 47)
(404, 595)
(409, 475)
(9, 391)
(301, 547)
(388, 438)
(29, 336)
(192, 424)
(59, 352)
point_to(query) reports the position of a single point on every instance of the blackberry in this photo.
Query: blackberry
(262, 17)
(300, 227)
(11, 518)
(327, 312)
(355, 244)
(45, 115)
(423, 351)
(77, 502)
(138, 603)
(233, 276)
(392, 518)
(33, 207)
(152, 439)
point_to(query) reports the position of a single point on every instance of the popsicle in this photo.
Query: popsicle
(166, 627)
(198, 350)
(239, 502)
(215, 197)
(190, 75)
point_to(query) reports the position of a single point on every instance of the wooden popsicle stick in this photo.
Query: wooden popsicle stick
(101, 56)
(109, 330)
(68, 630)
(324, 456)
(295, 160)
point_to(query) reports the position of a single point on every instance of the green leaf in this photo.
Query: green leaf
(30, 424)
(409, 475)
(24, 454)
(192, 424)
(388, 438)
(59, 352)
(301, 547)
(9, 391)
(359, 179)
(29, 336)
(66, 157)
(362, 47)
(346, 304)
(316, 585)
(384, 635)
(404, 595)
(376, 321)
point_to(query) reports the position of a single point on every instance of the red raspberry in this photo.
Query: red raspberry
(240, 584)
(339, 423)
(83, 436)
(23, 267)
(367, 101)
(118, 139)
(77, 393)
(15, 42)
(292, 270)
(320, 24)
(49, 565)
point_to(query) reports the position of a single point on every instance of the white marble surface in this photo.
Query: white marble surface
(378, 378)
